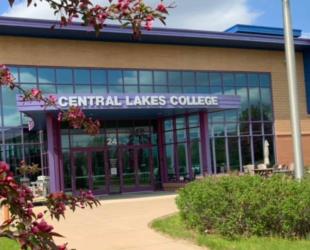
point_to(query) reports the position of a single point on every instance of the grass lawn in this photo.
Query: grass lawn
(6, 244)
(174, 227)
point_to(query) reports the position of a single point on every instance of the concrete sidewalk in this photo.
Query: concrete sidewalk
(121, 223)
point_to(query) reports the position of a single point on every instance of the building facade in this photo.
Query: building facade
(152, 145)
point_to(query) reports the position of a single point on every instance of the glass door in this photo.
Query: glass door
(99, 170)
(81, 171)
(144, 167)
(128, 168)
(113, 170)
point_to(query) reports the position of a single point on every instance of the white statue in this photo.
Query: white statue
(266, 153)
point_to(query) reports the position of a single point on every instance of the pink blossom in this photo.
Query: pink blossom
(162, 8)
(52, 99)
(36, 93)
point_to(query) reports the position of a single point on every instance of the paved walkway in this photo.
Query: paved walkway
(121, 223)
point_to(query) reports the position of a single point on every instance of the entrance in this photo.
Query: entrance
(112, 169)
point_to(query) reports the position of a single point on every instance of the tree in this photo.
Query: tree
(26, 227)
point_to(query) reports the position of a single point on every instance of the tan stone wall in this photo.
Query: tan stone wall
(54, 52)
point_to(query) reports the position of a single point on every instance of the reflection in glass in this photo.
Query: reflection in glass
(47, 89)
(98, 76)
(228, 79)
(131, 89)
(174, 77)
(129, 176)
(246, 150)
(215, 79)
(188, 78)
(233, 148)
(28, 75)
(46, 75)
(146, 89)
(10, 112)
(81, 171)
(115, 77)
(82, 76)
(169, 137)
(258, 150)
(114, 173)
(80, 89)
(182, 160)
(67, 169)
(202, 78)
(220, 153)
(241, 79)
(130, 77)
(98, 171)
(64, 89)
(99, 89)
(144, 167)
(195, 157)
(64, 76)
(253, 79)
(145, 77)
(170, 162)
(181, 135)
(160, 77)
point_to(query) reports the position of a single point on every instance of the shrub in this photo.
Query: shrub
(248, 205)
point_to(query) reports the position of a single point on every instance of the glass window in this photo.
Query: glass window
(241, 79)
(146, 89)
(14, 72)
(258, 150)
(131, 89)
(244, 128)
(216, 90)
(194, 133)
(181, 135)
(82, 76)
(169, 137)
(11, 116)
(64, 89)
(188, 78)
(175, 89)
(203, 89)
(202, 78)
(99, 89)
(218, 129)
(268, 128)
(14, 156)
(180, 122)
(46, 75)
(189, 89)
(30, 136)
(183, 160)
(98, 76)
(243, 93)
(115, 77)
(130, 77)
(232, 129)
(82, 89)
(170, 162)
(215, 79)
(217, 116)
(254, 102)
(233, 148)
(160, 77)
(13, 135)
(256, 128)
(28, 75)
(28, 86)
(231, 115)
(64, 76)
(246, 150)
(193, 120)
(229, 91)
(195, 157)
(146, 77)
(168, 124)
(220, 152)
(116, 89)
(228, 79)
(266, 104)
(174, 77)
(48, 89)
(264, 80)
(161, 89)
(253, 79)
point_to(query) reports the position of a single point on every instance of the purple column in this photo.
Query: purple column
(53, 159)
(205, 147)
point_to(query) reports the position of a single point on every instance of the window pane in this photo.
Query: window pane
(195, 157)
(243, 93)
(246, 150)
(99, 89)
(170, 162)
(11, 116)
(204, 90)
(253, 79)
(64, 76)
(174, 77)
(30, 136)
(231, 115)
(146, 77)
(258, 150)
(188, 78)
(264, 80)
(160, 77)
(180, 122)
(181, 135)
(13, 135)
(266, 104)
(46, 75)
(268, 128)
(194, 133)
(189, 89)
(116, 89)
(241, 79)
(48, 89)
(82, 76)
(215, 79)
(233, 149)
(217, 117)
(232, 129)
(193, 120)
(146, 89)
(28, 75)
(220, 153)
(82, 89)
(256, 128)
(270, 140)
(229, 91)
(202, 78)
(63, 89)
(130, 77)
(161, 89)
(244, 128)
(254, 102)
(228, 79)
(131, 89)
(168, 124)
(216, 91)
(14, 72)
(115, 77)
(13, 157)
(175, 89)
(169, 137)
(98, 76)
(183, 160)
(218, 130)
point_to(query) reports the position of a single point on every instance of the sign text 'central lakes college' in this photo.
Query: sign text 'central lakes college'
(137, 100)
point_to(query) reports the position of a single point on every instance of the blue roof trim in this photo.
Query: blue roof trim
(114, 33)
(262, 30)
(307, 77)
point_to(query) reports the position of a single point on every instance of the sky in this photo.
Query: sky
(214, 15)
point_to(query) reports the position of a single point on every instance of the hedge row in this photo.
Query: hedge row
(244, 206)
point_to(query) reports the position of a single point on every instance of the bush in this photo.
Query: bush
(245, 206)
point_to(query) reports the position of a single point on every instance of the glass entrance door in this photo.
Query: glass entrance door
(137, 168)
(114, 173)
(81, 171)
